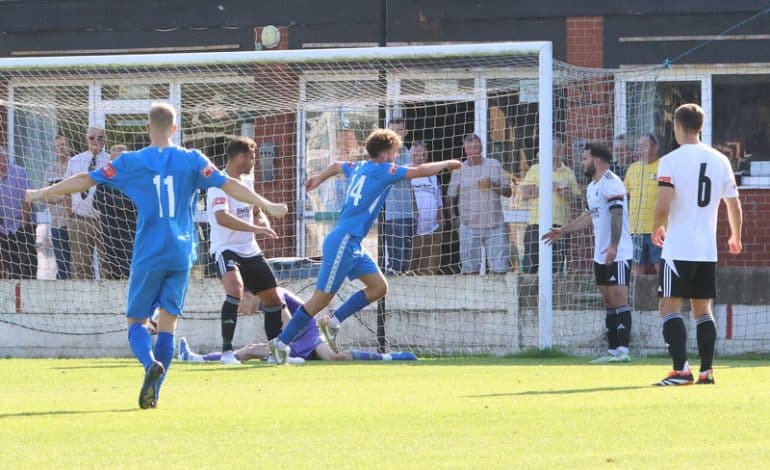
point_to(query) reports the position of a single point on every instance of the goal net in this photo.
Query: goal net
(462, 256)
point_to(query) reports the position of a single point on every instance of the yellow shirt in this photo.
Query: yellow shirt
(642, 186)
(562, 176)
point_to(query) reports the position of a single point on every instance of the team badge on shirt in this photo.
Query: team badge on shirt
(206, 172)
(109, 171)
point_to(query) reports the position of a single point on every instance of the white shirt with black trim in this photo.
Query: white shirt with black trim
(701, 178)
(602, 195)
(222, 238)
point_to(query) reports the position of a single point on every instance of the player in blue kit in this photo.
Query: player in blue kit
(343, 256)
(163, 181)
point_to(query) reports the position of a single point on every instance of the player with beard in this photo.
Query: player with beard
(613, 248)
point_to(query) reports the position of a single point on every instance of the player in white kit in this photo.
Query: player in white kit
(692, 180)
(613, 249)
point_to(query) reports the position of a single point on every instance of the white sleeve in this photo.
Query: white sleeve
(615, 192)
(216, 200)
(729, 188)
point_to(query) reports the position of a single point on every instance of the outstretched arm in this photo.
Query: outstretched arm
(430, 169)
(235, 189)
(577, 225)
(74, 184)
(735, 217)
(315, 181)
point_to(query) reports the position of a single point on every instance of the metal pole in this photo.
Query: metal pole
(382, 343)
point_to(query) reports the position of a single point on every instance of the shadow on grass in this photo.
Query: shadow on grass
(23, 414)
(567, 391)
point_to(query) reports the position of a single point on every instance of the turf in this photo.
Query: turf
(435, 413)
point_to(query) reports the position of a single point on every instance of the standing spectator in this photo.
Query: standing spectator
(85, 228)
(565, 190)
(478, 185)
(426, 252)
(642, 186)
(117, 216)
(399, 211)
(18, 255)
(59, 207)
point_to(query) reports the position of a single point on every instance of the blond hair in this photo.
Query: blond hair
(162, 116)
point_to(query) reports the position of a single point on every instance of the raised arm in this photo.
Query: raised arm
(74, 184)
(430, 169)
(334, 168)
(735, 217)
(235, 189)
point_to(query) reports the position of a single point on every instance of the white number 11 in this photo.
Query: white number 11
(169, 182)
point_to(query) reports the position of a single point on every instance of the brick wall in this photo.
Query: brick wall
(585, 41)
(756, 231)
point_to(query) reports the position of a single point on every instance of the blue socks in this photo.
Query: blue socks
(164, 351)
(141, 344)
(366, 356)
(297, 323)
(355, 303)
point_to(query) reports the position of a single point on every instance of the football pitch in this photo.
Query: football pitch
(435, 413)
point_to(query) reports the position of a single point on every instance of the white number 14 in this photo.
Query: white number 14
(169, 182)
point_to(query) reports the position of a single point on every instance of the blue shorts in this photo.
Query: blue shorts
(343, 256)
(644, 250)
(150, 289)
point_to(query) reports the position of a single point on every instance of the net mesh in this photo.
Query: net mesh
(454, 287)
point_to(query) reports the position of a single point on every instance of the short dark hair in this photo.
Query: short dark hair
(599, 150)
(381, 140)
(690, 116)
(239, 145)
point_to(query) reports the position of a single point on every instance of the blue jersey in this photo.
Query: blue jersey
(163, 183)
(368, 188)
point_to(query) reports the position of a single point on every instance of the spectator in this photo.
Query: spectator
(18, 254)
(478, 185)
(426, 249)
(84, 227)
(623, 150)
(59, 208)
(565, 190)
(117, 216)
(642, 186)
(399, 212)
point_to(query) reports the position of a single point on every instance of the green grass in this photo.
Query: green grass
(436, 413)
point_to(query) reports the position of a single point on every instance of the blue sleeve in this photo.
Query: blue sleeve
(208, 175)
(395, 173)
(347, 169)
(114, 173)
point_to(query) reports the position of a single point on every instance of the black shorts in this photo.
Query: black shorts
(255, 272)
(615, 274)
(687, 279)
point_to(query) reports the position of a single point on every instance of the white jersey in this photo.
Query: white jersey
(222, 238)
(602, 195)
(701, 177)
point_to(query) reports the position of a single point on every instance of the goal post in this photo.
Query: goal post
(463, 289)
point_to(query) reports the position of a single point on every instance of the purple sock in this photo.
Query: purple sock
(366, 356)
(355, 303)
(213, 357)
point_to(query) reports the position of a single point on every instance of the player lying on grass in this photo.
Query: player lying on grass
(370, 183)
(309, 345)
